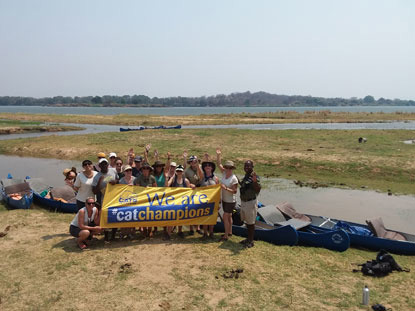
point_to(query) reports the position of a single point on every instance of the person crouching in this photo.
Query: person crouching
(85, 223)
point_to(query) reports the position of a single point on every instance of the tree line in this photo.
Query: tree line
(232, 100)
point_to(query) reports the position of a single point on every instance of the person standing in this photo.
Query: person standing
(250, 188)
(229, 184)
(83, 183)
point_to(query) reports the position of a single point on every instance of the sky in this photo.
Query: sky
(196, 48)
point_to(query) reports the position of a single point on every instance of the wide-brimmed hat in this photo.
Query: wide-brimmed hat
(229, 164)
(208, 163)
(66, 171)
(146, 166)
(101, 155)
(127, 167)
(179, 168)
(158, 163)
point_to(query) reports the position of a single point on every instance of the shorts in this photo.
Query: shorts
(249, 211)
(74, 231)
(228, 207)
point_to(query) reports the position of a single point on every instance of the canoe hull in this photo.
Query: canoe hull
(285, 235)
(335, 240)
(370, 242)
(24, 203)
(55, 205)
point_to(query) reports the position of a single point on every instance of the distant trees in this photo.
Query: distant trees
(235, 99)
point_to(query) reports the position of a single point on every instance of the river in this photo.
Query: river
(398, 211)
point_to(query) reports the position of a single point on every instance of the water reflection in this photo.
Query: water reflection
(398, 212)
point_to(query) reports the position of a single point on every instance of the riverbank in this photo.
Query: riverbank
(44, 268)
(281, 117)
(18, 127)
(318, 157)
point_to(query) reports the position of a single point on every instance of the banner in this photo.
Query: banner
(134, 206)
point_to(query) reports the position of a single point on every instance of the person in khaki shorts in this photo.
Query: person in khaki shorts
(250, 188)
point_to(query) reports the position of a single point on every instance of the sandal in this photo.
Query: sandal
(223, 239)
(82, 246)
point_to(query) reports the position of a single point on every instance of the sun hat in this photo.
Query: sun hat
(229, 164)
(208, 163)
(179, 168)
(138, 159)
(112, 154)
(102, 160)
(127, 167)
(146, 166)
(66, 171)
(101, 155)
(158, 163)
(173, 164)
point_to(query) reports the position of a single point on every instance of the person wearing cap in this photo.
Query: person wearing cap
(137, 166)
(250, 188)
(112, 158)
(177, 180)
(209, 179)
(83, 183)
(229, 185)
(100, 155)
(99, 184)
(128, 178)
(105, 176)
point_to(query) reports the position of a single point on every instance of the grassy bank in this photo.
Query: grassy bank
(41, 269)
(17, 127)
(328, 157)
(325, 116)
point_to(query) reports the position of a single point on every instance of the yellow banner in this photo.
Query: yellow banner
(133, 206)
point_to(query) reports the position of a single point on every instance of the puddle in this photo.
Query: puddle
(398, 212)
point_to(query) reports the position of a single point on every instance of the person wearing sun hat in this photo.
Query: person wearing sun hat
(229, 185)
(112, 156)
(209, 178)
(146, 179)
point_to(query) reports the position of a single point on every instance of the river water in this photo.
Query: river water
(398, 212)
(172, 111)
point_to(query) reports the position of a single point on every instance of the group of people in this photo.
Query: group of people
(91, 182)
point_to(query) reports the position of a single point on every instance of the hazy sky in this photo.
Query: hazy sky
(192, 48)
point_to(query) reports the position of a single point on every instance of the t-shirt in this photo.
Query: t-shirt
(247, 190)
(145, 181)
(85, 186)
(160, 180)
(124, 182)
(192, 176)
(227, 196)
(111, 175)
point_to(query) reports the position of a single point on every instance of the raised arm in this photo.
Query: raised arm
(184, 159)
(219, 159)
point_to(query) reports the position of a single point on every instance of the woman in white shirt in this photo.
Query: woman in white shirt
(83, 183)
(229, 184)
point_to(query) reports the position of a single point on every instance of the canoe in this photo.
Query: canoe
(361, 235)
(16, 193)
(308, 235)
(160, 127)
(40, 190)
(284, 235)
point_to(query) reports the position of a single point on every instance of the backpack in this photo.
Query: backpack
(381, 266)
(236, 217)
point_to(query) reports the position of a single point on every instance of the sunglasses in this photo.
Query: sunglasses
(90, 203)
